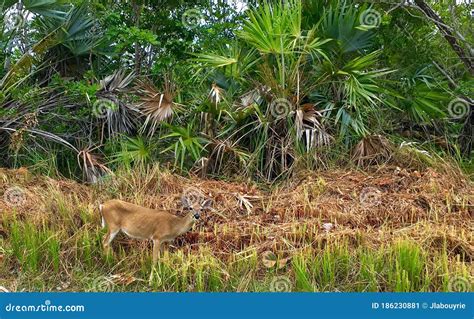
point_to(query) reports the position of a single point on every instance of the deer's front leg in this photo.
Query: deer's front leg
(156, 250)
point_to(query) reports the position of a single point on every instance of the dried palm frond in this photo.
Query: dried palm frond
(91, 166)
(372, 149)
(45, 134)
(155, 105)
(411, 145)
(307, 123)
(250, 98)
(117, 82)
(216, 94)
(255, 95)
(243, 201)
(220, 148)
(200, 167)
(306, 117)
(279, 156)
(121, 118)
(316, 138)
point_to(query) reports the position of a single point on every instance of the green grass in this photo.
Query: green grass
(47, 258)
(34, 248)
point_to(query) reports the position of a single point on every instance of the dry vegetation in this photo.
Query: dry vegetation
(390, 230)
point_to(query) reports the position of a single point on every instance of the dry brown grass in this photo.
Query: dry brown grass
(422, 205)
(433, 208)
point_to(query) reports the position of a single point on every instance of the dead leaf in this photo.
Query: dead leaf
(283, 262)
(269, 259)
(122, 279)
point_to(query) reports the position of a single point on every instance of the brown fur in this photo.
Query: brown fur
(143, 223)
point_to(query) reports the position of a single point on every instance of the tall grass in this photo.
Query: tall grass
(41, 252)
(33, 247)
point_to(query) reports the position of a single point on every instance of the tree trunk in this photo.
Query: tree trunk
(137, 9)
(448, 35)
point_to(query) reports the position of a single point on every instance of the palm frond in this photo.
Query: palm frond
(122, 117)
(215, 94)
(372, 149)
(157, 105)
(91, 165)
(117, 82)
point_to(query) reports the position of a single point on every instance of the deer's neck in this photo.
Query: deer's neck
(185, 224)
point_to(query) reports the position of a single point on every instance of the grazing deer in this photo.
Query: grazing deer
(144, 223)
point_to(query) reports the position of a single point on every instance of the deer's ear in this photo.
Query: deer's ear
(207, 204)
(185, 202)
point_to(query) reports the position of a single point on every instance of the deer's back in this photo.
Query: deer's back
(127, 210)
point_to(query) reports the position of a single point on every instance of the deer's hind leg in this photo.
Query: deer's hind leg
(111, 233)
(156, 250)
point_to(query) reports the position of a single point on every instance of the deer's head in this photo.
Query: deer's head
(195, 207)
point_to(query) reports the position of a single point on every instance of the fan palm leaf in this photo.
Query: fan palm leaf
(157, 105)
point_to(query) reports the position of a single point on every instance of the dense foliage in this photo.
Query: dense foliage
(218, 88)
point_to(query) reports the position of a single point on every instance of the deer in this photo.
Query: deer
(139, 222)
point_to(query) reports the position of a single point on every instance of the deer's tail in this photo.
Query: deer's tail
(101, 215)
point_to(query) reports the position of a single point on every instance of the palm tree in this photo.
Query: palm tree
(296, 85)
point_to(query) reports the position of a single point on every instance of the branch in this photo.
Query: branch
(447, 33)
